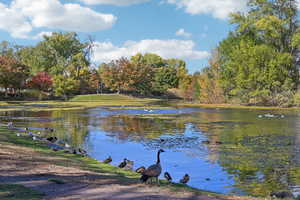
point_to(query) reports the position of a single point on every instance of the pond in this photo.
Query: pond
(229, 151)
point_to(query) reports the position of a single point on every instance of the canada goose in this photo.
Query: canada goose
(82, 151)
(52, 139)
(185, 179)
(167, 176)
(107, 160)
(140, 170)
(123, 163)
(206, 142)
(129, 165)
(153, 170)
(49, 129)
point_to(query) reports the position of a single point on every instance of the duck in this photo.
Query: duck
(123, 163)
(153, 171)
(107, 160)
(218, 142)
(140, 170)
(129, 165)
(167, 176)
(185, 179)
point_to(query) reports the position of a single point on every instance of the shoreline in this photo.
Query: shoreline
(150, 103)
(9, 140)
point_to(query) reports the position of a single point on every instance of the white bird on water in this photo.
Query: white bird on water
(67, 145)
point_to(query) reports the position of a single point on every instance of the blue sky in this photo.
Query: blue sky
(185, 29)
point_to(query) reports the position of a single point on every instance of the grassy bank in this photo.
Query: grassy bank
(78, 102)
(228, 106)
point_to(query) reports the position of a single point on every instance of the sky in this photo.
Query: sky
(184, 29)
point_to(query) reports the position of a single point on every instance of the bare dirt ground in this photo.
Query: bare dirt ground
(21, 165)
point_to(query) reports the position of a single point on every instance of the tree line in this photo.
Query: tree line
(258, 63)
(60, 66)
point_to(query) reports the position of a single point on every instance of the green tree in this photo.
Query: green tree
(260, 58)
(64, 86)
(56, 53)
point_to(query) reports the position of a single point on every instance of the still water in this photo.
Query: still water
(248, 152)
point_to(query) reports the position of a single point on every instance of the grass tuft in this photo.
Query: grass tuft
(56, 180)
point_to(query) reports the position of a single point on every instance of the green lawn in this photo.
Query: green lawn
(18, 192)
(78, 102)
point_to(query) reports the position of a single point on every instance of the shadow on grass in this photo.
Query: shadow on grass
(17, 192)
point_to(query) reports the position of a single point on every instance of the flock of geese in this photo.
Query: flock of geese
(153, 171)
(147, 174)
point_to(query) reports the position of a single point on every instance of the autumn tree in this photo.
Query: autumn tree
(13, 74)
(124, 76)
(42, 81)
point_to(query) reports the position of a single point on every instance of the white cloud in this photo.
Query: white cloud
(217, 8)
(68, 17)
(41, 35)
(22, 16)
(183, 49)
(14, 22)
(113, 2)
(183, 33)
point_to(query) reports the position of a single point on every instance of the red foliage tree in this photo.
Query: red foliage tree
(41, 81)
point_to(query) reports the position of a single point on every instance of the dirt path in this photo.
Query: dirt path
(21, 165)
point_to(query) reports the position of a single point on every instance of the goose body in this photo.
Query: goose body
(52, 139)
(107, 160)
(153, 171)
(167, 176)
(129, 165)
(123, 164)
(185, 179)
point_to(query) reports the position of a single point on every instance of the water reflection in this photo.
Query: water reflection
(245, 154)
